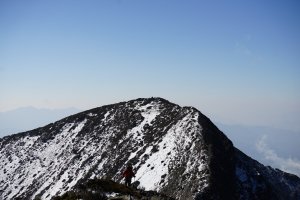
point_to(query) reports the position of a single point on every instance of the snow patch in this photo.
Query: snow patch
(149, 113)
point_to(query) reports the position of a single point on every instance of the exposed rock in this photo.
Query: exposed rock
(174, 150)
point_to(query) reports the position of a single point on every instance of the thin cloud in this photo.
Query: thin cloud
(243, 49)
(286, 164)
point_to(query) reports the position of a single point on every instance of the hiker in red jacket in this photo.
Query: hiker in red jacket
(128, 174)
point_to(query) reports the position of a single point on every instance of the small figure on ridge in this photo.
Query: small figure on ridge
(128, 174)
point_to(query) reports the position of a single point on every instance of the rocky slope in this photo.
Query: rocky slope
(101, 189)
(174, 150)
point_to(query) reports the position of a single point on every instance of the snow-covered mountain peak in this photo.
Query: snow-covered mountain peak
(174, 150)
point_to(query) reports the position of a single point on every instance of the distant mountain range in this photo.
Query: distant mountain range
(27, 118)
(270, 146)
(174, 150)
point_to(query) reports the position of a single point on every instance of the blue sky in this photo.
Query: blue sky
(236, 61)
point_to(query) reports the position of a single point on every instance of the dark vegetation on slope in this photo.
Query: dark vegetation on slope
(99, 189)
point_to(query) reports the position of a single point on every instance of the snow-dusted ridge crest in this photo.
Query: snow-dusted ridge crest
(174, 150)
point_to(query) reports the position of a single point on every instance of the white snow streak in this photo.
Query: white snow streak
(156, 169)
(52, 162)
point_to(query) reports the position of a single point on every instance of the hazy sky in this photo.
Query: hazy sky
(236, 61)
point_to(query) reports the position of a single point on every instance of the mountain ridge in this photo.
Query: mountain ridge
(175, 150)
(28, 118)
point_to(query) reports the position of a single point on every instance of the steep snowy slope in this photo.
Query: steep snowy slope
(175, 150)
(153, 135)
